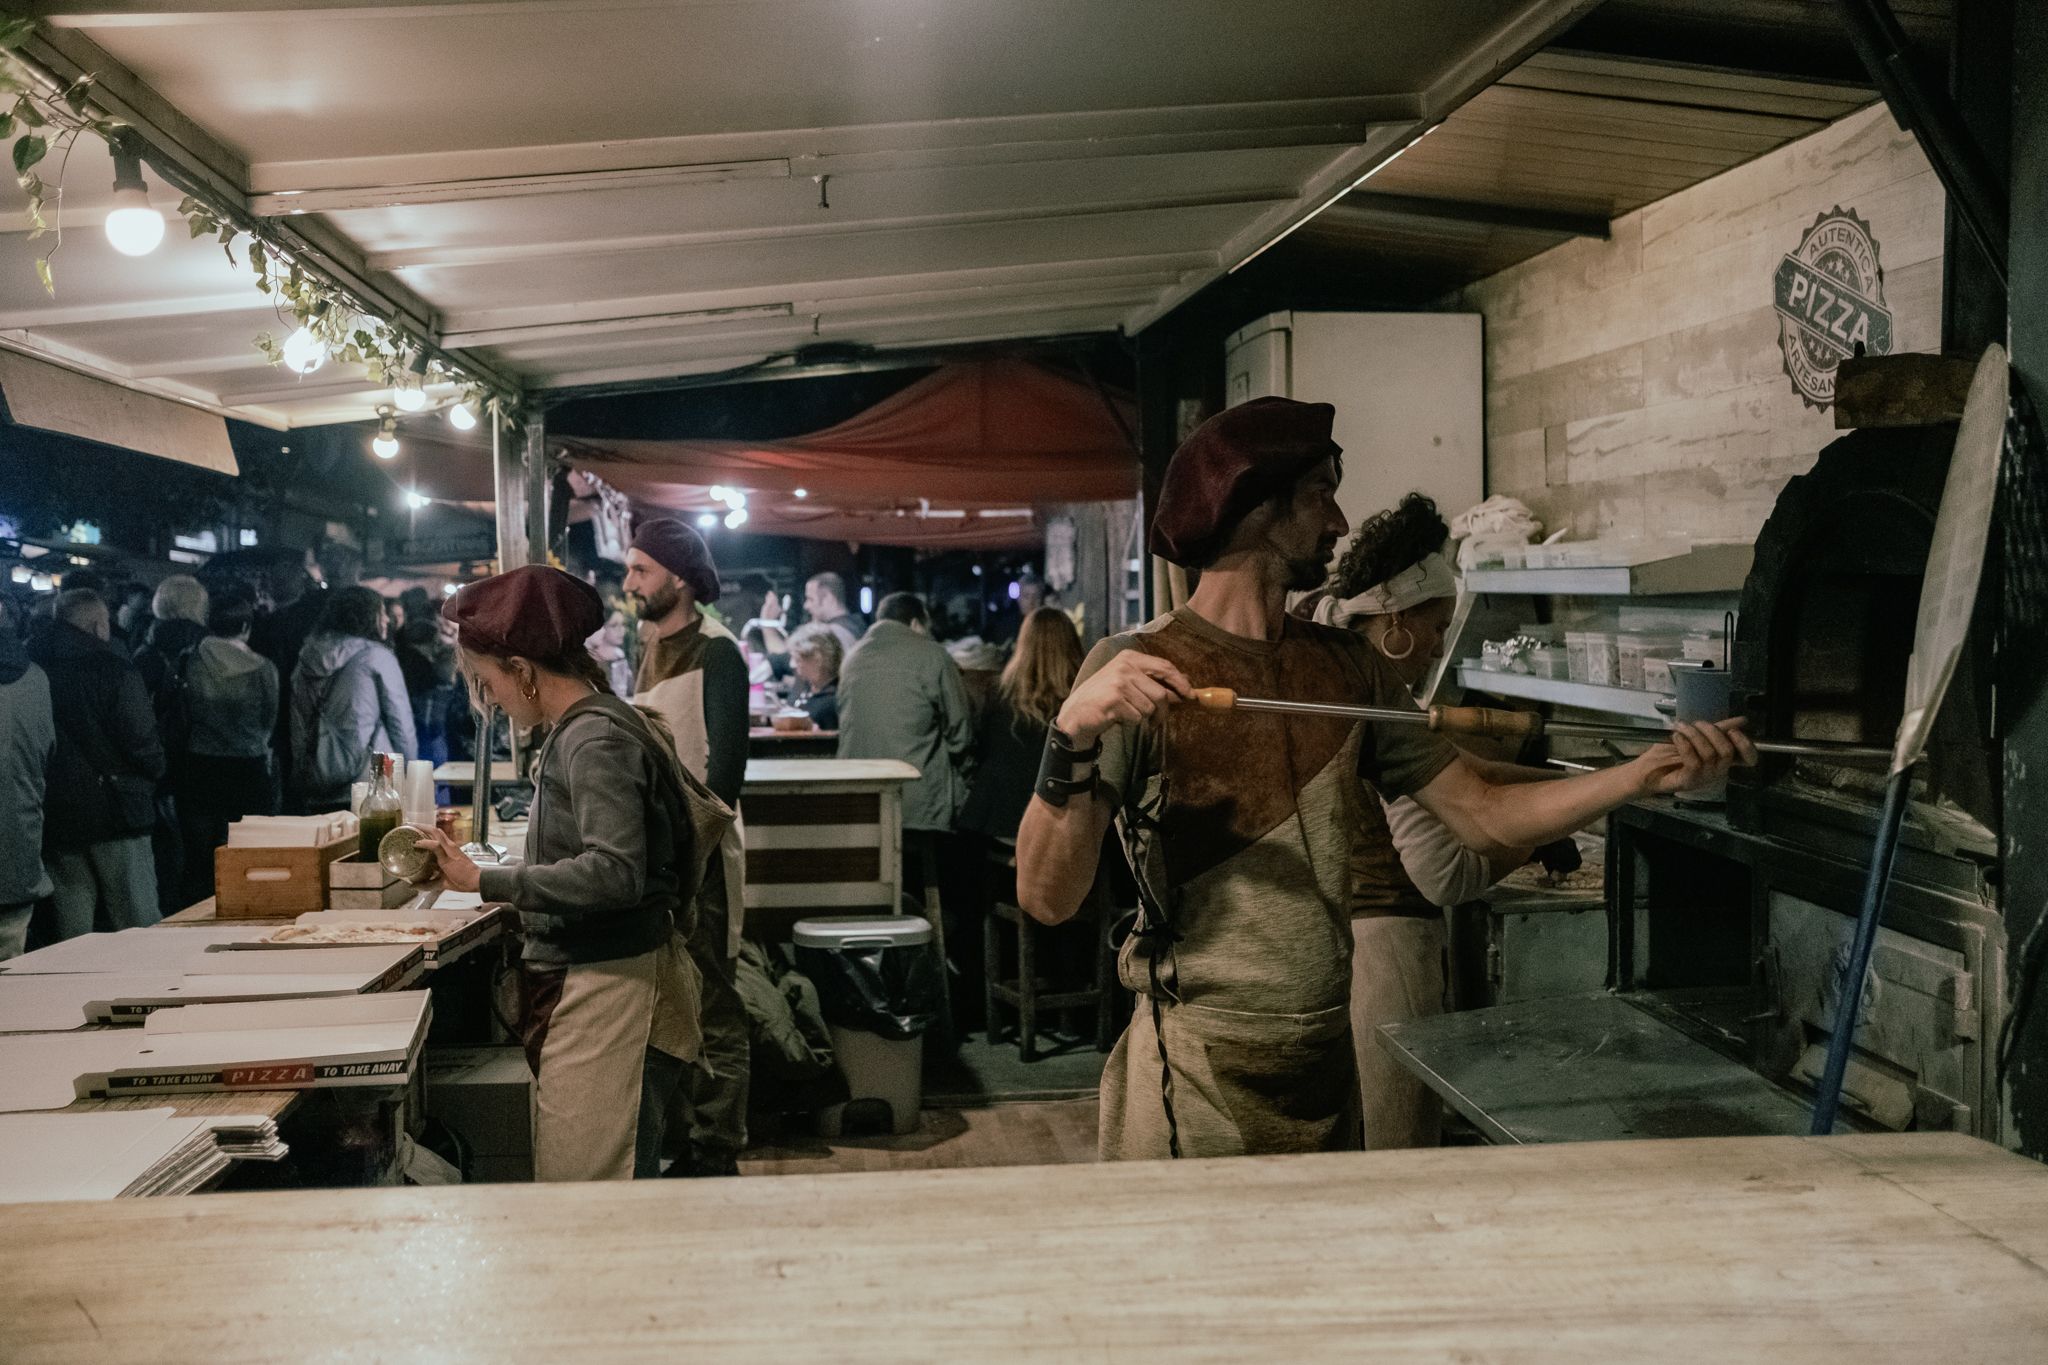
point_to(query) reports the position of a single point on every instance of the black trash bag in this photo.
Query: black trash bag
(891, 992)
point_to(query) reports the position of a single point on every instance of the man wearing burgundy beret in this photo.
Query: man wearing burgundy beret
(1238, 825)
(693, 674)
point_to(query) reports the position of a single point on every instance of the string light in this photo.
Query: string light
(304, 352)
(719, 492)
(134, 227)
(462, 416)
(735, 518)
(385, 444)
(417, 500)
(802, 493)
(707, 520)
(408, 399)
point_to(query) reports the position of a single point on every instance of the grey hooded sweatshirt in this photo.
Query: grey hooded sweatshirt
(348, 701)
(232, 691)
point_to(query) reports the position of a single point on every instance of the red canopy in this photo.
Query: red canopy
(954, 461)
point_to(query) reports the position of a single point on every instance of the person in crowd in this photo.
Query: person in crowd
(609, 648)
(101, 799)
(28, 736)
(693, 676)
(815, 656)
(341, 566)
(394, 619)
(177, 625)
(603, 895)
(227, 770)
(131, 617)
(1239, 825)
(348, 701)
(1033, 685)
(1395, 587)
(825, 603)
(418, 604)
(901, 696)
(295, 603)
(428, 667)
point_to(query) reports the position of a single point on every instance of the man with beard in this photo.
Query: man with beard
(693, 675)
(1239, 825)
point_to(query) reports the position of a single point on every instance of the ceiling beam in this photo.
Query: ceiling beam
(133, 310)
(190, 13)
(456, 254)
(286, 203)
(1366, 204)
(1001, 139)
(822, 294)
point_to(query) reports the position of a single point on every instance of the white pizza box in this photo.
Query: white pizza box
(211, 951)
(359, 1040)
(124, 1152)
(463, 928)
(38, 1004)
(289, 831)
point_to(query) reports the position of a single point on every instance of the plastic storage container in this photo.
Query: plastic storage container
(1657, 675)
(1633, 647)
(1550, 661)
(879, 989)
(1709, 645)
(1590, 657)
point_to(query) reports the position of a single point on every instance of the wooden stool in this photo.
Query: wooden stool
(1021, 992)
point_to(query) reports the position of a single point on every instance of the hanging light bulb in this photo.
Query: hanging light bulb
(133, 227)
(735, 499)
(735, 518)
(802, 493)
(707, 520)
(462, 416)
(719, 492)
(410, 394)
(385, 444)
(417, 500)
(304, 352)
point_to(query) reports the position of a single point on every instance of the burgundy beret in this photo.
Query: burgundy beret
(1233, 462)
(680, 550)
(534, 613)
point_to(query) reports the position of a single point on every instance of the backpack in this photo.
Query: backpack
(172, 701)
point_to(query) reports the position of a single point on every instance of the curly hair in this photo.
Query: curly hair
(1389, 542)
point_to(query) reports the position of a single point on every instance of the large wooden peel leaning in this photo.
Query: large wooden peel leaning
(1948, 595)
(1485, 722)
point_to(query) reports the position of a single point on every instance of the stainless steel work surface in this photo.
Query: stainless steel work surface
(1587, 1068)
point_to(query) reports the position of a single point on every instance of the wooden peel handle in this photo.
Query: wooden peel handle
(1215, 698)
(1485, 721)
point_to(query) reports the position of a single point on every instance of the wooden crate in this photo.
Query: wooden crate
(264, 883)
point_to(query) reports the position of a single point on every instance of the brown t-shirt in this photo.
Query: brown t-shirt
(1242, 822)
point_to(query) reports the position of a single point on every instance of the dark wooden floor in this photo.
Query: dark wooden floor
(1031, 1133)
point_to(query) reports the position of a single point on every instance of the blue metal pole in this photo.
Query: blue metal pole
(1828, 1099)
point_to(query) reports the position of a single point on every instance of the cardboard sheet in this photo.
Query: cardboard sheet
(297, 1044)
(136, 1152)
(198, 951)
(73, 1000)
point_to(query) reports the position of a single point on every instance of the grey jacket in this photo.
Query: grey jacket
(28, 735)
(900, 696)
(231, 692)
(603, 844)
(348, 701)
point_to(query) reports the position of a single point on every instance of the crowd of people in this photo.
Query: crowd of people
(140, 723)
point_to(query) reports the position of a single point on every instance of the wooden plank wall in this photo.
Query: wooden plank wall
(1635, 385)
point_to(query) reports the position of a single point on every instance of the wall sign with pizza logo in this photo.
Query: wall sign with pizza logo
(1829, 294)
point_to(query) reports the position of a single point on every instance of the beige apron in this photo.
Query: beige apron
(679, 702)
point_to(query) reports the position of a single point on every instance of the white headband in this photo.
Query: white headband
(1432, 578)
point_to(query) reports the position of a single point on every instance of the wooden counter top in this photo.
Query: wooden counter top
(1870, 1249)
(763, 773)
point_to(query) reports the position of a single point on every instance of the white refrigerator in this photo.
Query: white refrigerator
(1408, 392)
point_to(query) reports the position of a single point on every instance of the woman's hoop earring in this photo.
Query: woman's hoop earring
(1406, 649)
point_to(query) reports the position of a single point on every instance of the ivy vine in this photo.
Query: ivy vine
(44, 123)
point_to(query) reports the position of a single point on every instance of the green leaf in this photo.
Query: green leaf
(28, 151)
(227, 234)
(200, 225)
(43, 274)
(75, 93)
(259, 261)
(6, 125)
(15, 32)
(263, 283)
(188, 206)
(25, 111)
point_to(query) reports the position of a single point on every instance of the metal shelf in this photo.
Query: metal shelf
(1704, 568)
(1614, 701)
